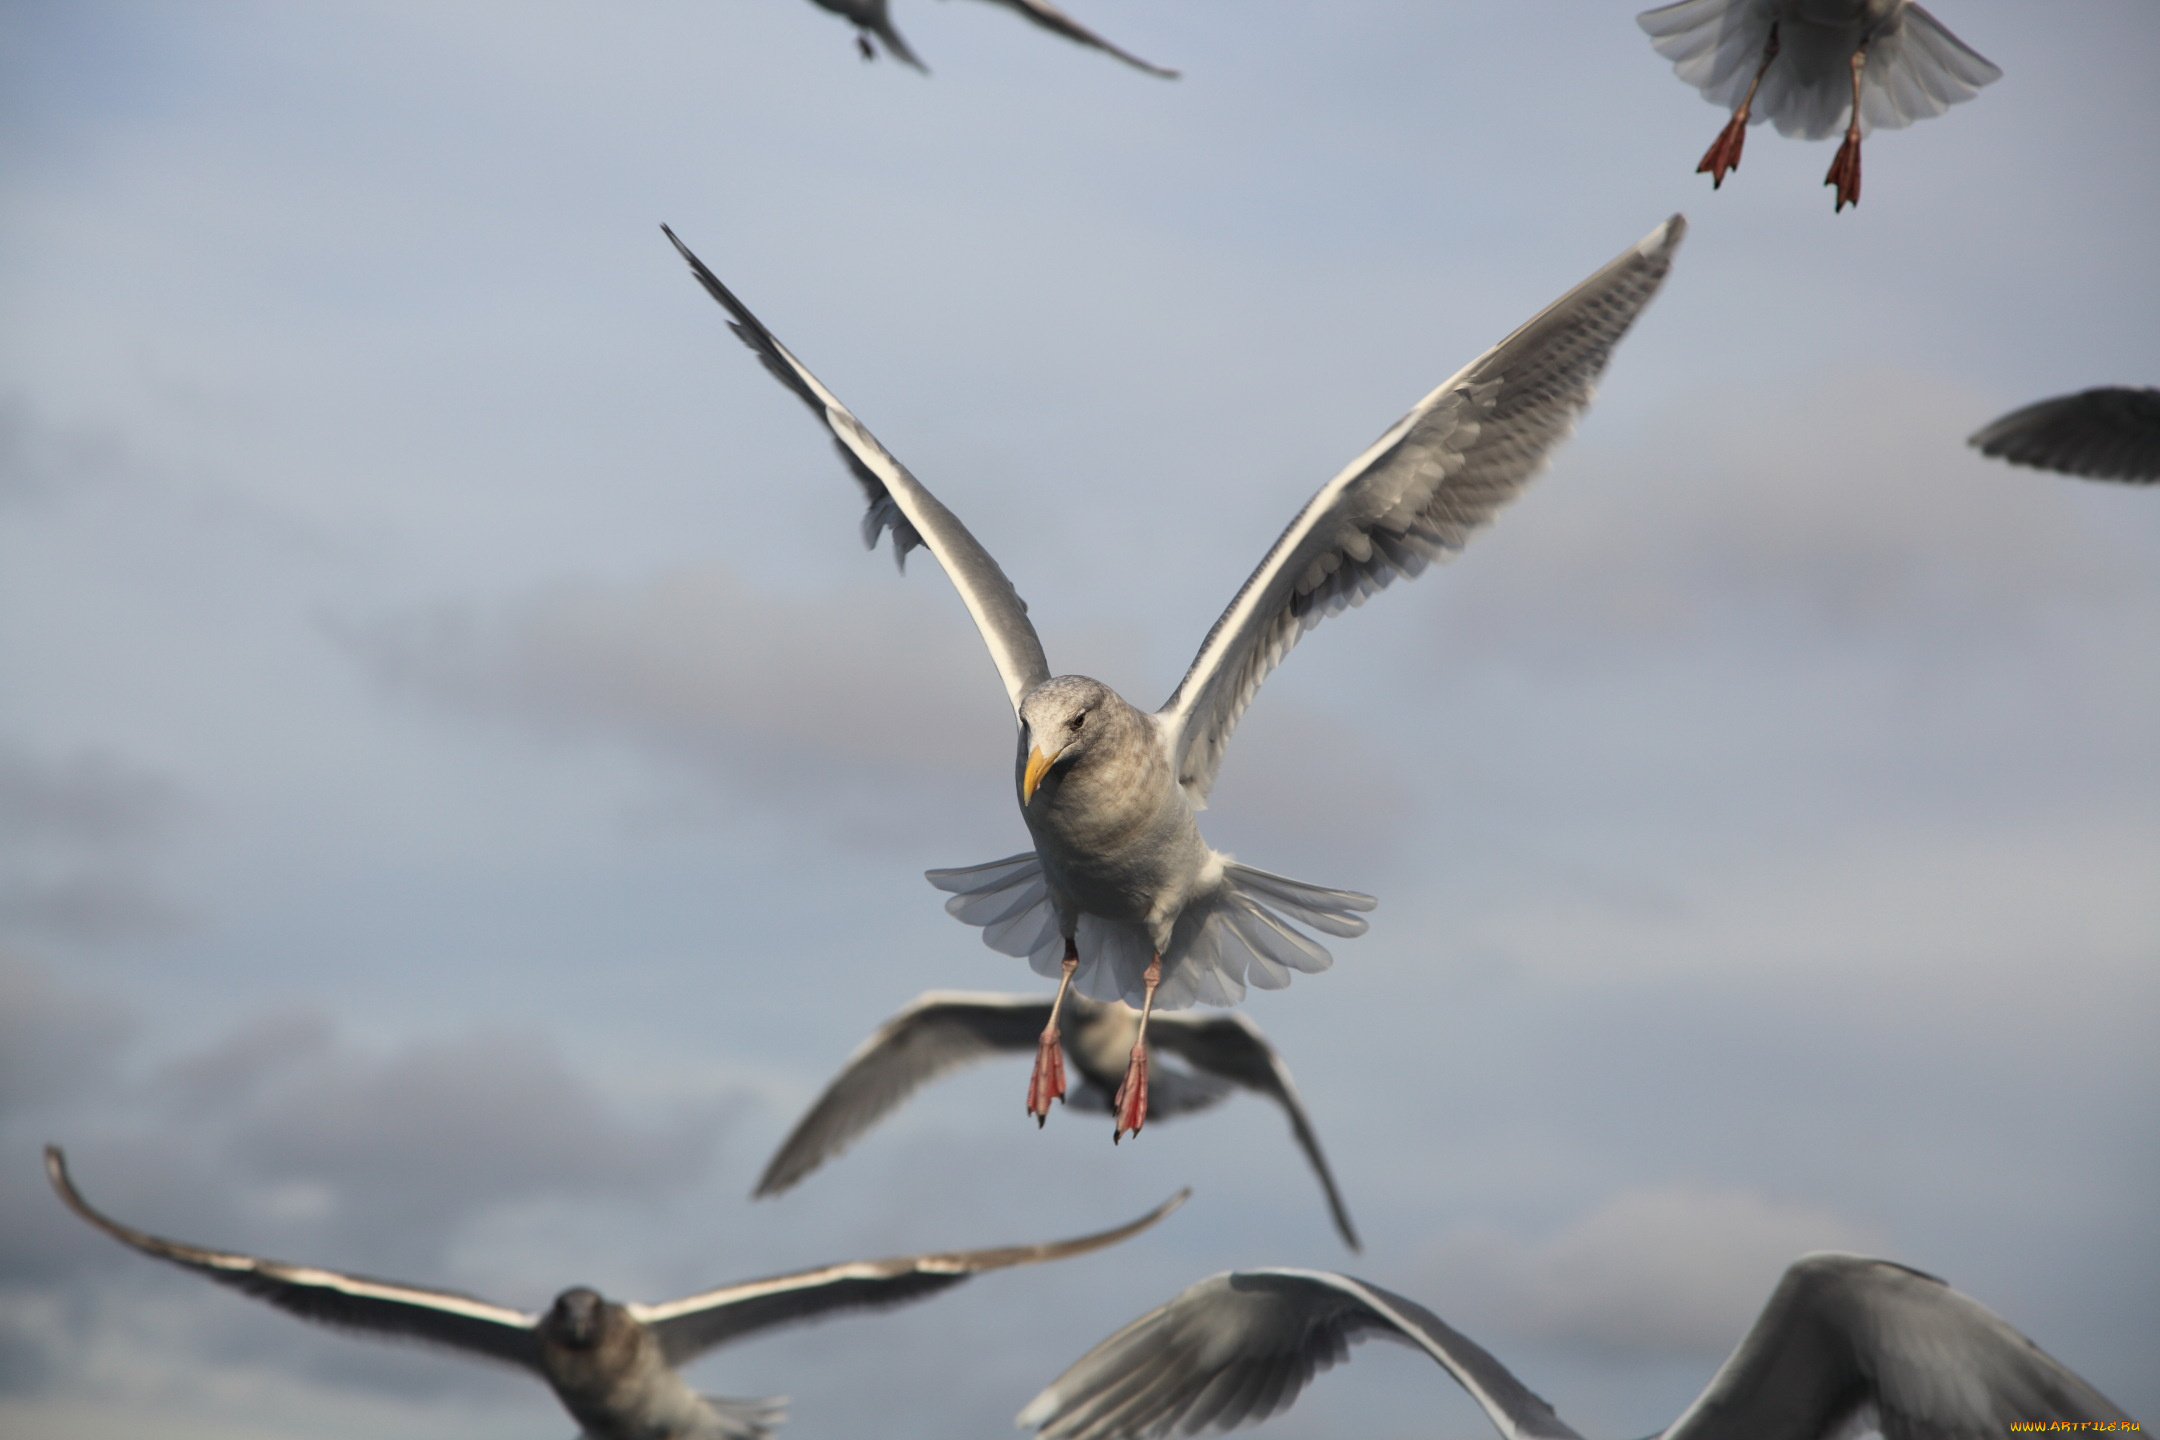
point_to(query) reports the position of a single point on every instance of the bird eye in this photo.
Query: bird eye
(1075, 722)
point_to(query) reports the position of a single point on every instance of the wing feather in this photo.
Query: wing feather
(1057, 22)
(899, 503)
(1229, 1046)
(940, 1031)
(1843, 1335)
(2110, 433)
(696, 1323)
(1238, 1347)
(1416, 496)
(345, 1302)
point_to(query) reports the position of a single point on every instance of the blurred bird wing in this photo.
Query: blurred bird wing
(1239, 1347)
(899, 503)
(2111, 433)
(1043, 13)
(1846, 1341)
(690, 1326)
(346, 1302)
(1417, 495)
(939, 1031)
(1229, 1046)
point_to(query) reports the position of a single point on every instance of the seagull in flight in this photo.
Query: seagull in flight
(1847, 1346)
(2111, 433)
(1120, 897)
(1900, 63)
(943, 1030)
(874, 17)
(612, 1365)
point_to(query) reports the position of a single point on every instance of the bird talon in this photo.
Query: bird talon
(1047, 1083)
(1132, 1097)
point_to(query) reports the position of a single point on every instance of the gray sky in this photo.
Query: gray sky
(463, 786)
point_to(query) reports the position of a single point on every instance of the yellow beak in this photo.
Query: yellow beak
(1038, 766)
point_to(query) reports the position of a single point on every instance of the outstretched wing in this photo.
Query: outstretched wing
(1227, 1044)
(1043, 13)
(1847, 1342)
(696, 1323)
(347, 1302)
(1416, 496)
(899, 503)
(1238, 1347)
(2111, 433)
(939, 1031)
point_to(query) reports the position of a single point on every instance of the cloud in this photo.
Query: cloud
(886, 698)
(77, 836)
(39, 460)
(1674, 1271)
(288, 1139)
(1841, 509)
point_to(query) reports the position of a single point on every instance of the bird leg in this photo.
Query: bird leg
(1845, 169)
(862, 43)
(1131, 1102)
(1048, 1081)
(1724, 152)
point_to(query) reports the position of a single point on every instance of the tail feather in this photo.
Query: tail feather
(1241, 934)
(744, 1419)
(1331, 912)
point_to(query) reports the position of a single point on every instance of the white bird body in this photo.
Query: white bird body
(1119, 841)
(1122, 898)
(1845, 1345)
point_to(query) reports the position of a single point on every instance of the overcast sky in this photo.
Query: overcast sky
(463, 786)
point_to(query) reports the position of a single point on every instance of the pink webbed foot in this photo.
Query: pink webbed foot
(1724, 152)
(1845, 173)
(1048, 1081)
(1132, 1097)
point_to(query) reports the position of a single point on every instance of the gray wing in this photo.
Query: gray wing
(875, 17)
(1229, 1045)
(1847, 1341)
(1043, 13)
(1238, 1347)
(690, 1326)
(938, 1032)
(346, 1302)
(2112, 433)
(899, 503)
(1417, 495)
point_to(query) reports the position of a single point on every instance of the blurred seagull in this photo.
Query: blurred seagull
(1792, 61)
(873, 17)
(1847, 1346)
(943, 1030)
(2112, 433)
(1121, 897)
(612, 1366)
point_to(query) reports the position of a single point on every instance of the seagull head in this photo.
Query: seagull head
(1059, 719)
(574, 1321)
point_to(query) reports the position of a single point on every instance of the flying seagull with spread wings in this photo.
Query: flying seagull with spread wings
(2110, 433)
(612, 1365)
(874, 17)
(1120, 896)
(1846, 1346)
(1794, 61)
(944, 1030)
